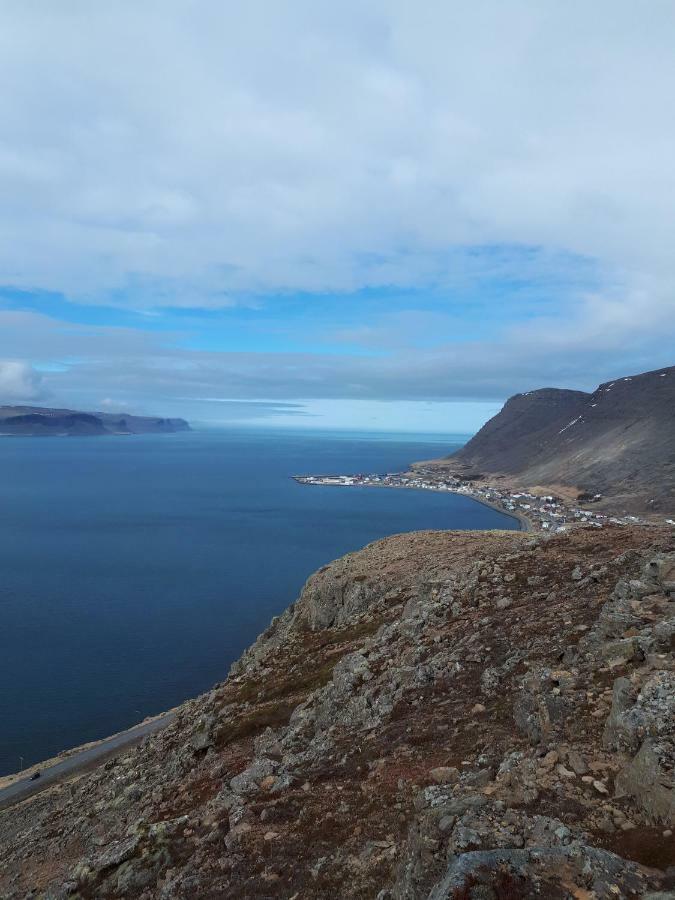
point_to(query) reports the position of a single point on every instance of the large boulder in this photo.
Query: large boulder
(650, 779)
(540, 872)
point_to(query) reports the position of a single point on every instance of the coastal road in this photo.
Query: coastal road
(82, 760)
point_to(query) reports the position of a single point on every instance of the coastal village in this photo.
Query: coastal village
(535, 512)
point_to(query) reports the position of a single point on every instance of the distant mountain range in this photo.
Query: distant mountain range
(618, 441)
(37, 421)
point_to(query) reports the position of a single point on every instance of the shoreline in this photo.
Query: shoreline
(524, 523)
(74, 761)
(60, 768)
(65, 764)
(535, 509)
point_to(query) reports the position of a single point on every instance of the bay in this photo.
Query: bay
(134, 570)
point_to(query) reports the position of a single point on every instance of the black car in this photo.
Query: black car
(35, 776)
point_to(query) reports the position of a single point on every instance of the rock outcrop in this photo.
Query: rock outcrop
(440, 715)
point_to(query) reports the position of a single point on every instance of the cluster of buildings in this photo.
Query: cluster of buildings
(542, 513)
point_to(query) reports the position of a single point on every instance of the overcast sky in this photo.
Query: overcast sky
(379, 214)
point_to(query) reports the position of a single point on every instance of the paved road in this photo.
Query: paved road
(82, 761)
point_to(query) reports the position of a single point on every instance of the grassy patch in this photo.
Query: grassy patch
(254, 721)
(293, 680)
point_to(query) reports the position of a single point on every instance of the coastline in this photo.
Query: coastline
(96, 752)
(538, 509)
(74, 761)
(524, 523)
(135, 733)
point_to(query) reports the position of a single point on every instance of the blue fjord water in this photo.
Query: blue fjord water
(133, 570)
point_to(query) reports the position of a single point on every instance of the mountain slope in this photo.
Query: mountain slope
(618, 441)
(36, 421)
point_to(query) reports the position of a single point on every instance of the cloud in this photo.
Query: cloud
(286, 146)
(153, 373)
(19, 382)
(160, 155)
(225, 410)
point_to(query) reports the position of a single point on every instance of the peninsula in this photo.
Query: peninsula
(554, 458)
(39, 421)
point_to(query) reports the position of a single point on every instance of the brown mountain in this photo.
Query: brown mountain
(618, 441)
(37, 421)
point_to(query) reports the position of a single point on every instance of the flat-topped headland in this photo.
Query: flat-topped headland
(40, 421)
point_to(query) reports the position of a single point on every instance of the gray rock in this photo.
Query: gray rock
(621, 651)
(577, 763)
(248, 781)
(350, 671)
(203, 735)
(647, 713)
(649, 779)
(538, 712)
(116, 853)
(445, 774)
(282, 783)
(446, 823)
(489, 681)
(464, 839)
(619, 733)
(532, 870)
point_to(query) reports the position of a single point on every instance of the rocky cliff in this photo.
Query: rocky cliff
(37, 421)
(618, 441)
(440, 715)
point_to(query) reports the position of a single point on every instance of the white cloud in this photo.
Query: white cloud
(19, 382)
(226, 147)
(152, 373)
(162, 152)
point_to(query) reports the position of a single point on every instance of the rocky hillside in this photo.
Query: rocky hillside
(618, 441)
(37, 421)
(440, 715)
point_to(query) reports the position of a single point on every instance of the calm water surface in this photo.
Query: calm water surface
(133, 570)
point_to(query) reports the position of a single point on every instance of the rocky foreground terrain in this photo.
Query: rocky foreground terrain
(39, 421)
(440, 715)
(616, 442)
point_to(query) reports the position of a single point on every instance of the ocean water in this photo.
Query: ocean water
(134, 570)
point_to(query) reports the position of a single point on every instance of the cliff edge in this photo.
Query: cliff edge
(440, 715)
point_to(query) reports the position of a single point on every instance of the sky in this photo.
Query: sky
(375, 214)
